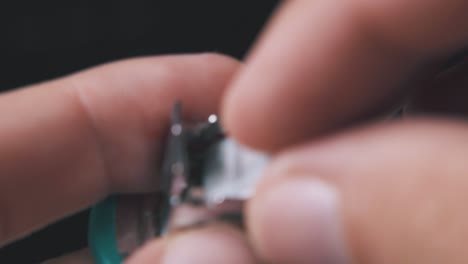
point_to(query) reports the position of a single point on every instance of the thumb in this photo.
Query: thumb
(390, 193)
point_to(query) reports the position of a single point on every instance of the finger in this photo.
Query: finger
(322, 65)
(67, 143)
(216, 244)
(445, 94)
(391, 193)
(80, 257)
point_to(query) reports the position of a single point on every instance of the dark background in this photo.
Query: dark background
(41, 40)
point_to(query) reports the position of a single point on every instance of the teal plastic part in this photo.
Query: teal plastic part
(102, 232)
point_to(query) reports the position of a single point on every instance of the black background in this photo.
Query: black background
(47, 39)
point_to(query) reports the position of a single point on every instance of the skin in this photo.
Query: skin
(311, 90)
(323, 65)
(343, 187)
(75, 140)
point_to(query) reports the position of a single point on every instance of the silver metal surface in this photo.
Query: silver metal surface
(230, 176)
(232, 172)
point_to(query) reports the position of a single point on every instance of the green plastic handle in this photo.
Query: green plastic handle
(102, 232)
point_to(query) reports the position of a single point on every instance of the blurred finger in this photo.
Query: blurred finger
(322, 65)
(67, 143)
(389, 193)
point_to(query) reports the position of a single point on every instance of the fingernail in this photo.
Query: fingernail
(298, 221)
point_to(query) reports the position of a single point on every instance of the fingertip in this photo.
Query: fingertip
(297, 221)
(315, 71)
(241, 121)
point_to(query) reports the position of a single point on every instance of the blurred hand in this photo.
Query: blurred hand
(323, 65)
(342, 190)
(382, 192)
(68, 143)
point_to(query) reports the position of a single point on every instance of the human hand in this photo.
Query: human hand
(68, 143)
(388, 192)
